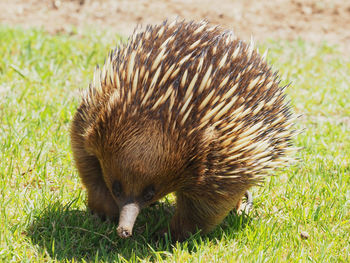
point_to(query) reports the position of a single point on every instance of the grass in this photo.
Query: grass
(43, 215)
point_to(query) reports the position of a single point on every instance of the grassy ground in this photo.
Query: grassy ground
(42, 207)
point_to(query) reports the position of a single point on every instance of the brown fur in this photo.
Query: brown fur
(172, 112)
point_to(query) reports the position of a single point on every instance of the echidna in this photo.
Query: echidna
(183, 107)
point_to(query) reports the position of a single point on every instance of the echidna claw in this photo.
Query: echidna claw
(248, 205)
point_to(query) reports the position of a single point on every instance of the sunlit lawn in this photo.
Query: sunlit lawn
(43, 215)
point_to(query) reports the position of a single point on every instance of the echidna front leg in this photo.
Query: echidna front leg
(100, 200)
(197, 214)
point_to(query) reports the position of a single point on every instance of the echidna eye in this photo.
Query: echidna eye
(148, 193)
(117, 189)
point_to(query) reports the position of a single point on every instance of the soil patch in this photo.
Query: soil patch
(311, 20)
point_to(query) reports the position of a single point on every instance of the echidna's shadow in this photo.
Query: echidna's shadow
(65, 234)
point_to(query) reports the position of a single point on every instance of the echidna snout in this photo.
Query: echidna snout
(128, 214)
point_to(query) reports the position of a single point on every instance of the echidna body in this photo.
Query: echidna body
(185, 108)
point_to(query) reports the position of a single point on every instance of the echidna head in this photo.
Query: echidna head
(132, 187)
(136, 167)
